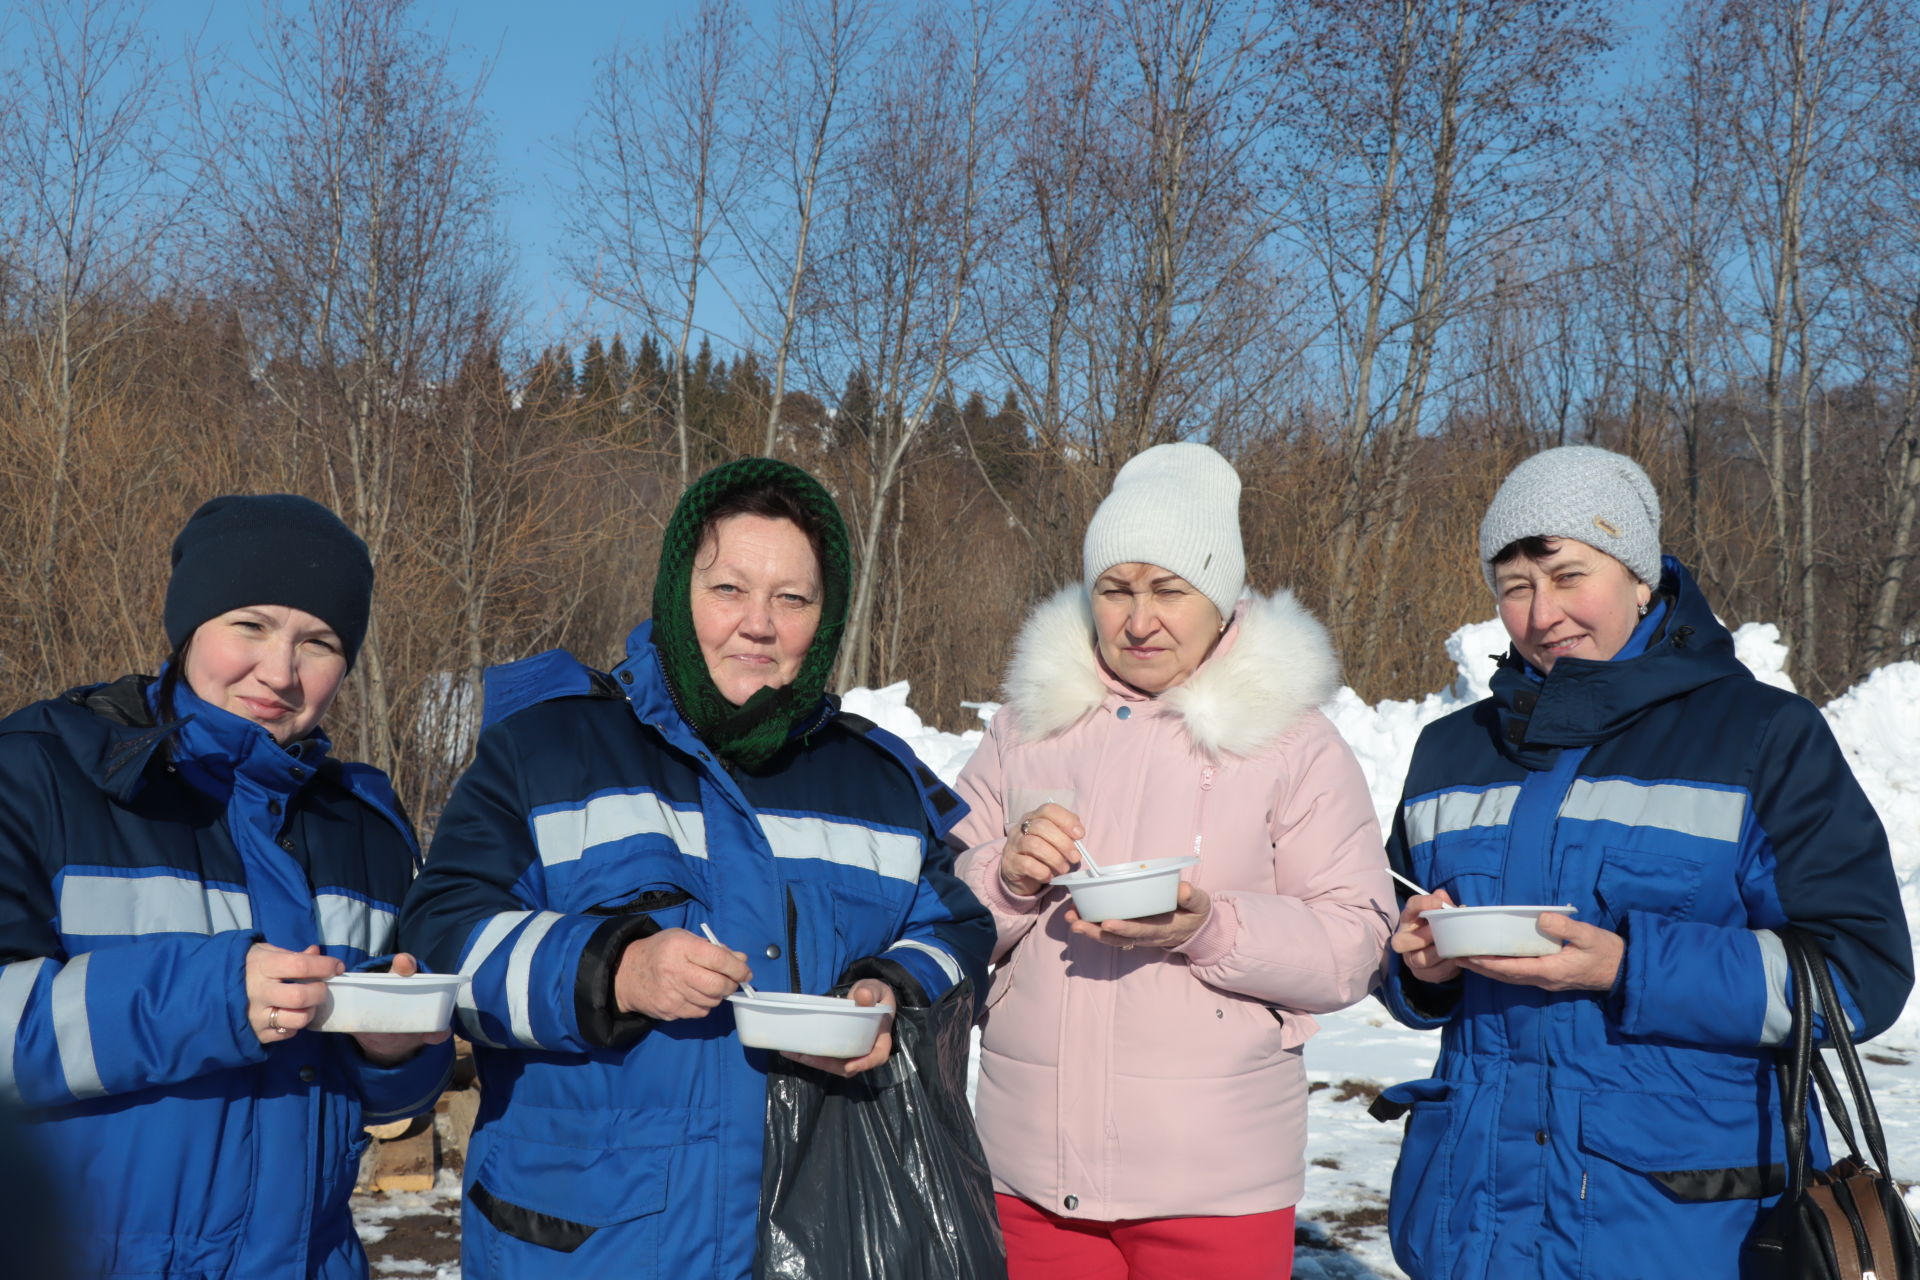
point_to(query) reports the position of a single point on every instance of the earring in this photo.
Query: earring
(1643, 609)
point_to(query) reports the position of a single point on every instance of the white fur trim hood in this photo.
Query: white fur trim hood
(1279, 666)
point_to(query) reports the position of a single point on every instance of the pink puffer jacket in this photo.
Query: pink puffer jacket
(1146, 1083)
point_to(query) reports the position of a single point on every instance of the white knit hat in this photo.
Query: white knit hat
(1577, 491)
(1176, 506)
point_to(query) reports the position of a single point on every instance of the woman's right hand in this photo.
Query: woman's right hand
(1413, 940)
(1040, 848)
(676, 974)
(285, 987)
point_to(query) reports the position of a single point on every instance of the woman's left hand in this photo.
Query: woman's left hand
(867, 991)
(1590, 960)
(1167, 930)
(391, 1048)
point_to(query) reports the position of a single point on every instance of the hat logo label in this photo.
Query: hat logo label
(1604, 525)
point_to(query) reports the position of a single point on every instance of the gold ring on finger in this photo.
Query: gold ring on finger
(273, 1018)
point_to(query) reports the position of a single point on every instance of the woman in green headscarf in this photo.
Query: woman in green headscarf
(708, 779)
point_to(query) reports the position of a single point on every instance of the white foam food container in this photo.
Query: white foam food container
(1492, 931)
(829, 1026)
(1128, 890)
(370, 1002)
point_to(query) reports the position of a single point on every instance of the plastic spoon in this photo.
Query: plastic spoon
(1086, 860)
(708, 930)
(1410, 884)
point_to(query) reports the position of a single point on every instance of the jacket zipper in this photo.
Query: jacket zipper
(1200, 808)
(793, 948)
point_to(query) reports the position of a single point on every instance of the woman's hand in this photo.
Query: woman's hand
(283, 988)
(1166, 930)
(675, 974)
(1413, 940)
(1040, 848)
(867, 991)
(1590, 960)
(391, 1048)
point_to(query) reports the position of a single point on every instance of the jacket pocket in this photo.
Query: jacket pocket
(545, 1200)
(656, 901)
(1690, 1148)
(1640, 880)
(1466, 867)
(1420, 1200)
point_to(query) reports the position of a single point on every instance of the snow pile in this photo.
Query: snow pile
(1877, 723)
(944, 753)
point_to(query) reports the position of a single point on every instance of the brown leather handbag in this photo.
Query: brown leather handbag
(1848, 1221)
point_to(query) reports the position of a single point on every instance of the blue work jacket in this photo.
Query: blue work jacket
(138, 863)
(1669, 796)
(592, 816)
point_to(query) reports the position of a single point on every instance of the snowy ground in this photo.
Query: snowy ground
(1360, 1051)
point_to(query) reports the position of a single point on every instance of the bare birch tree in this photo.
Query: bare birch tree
(896, 271)
(1433, 136)
(658, 167)
(813, 72)
(354, 176)
(86, 199)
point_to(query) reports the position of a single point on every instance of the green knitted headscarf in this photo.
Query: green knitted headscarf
(749, 735)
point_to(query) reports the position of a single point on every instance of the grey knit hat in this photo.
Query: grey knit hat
(1176, 506)
(1594, 495)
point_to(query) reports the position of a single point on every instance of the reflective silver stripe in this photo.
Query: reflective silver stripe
(941, 958)
(133, 906)
(489, 940)
(16, 987)
(564, 834)
(1458, 811)
(520, 976)
(72, 1034)
(1671, 806)
(1778, 1023)
(893, 854)
(349, 922)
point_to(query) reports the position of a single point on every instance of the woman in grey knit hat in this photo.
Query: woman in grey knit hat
(1610, 1108)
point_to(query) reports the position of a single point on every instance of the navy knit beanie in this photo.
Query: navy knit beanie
(269, 548)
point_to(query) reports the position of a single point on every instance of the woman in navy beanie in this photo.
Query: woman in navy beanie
(182, 864)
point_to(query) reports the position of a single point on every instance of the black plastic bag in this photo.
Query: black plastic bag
(880, 1177)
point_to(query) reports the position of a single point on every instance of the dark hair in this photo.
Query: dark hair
(1537, 547)
(770, 502)
(1541, 545)
(171, 675)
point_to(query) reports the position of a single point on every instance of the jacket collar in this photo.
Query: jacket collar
(643, 680)
(1273, 665)
(213, 746)
(1582, 702)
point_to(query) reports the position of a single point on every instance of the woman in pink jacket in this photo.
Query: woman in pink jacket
(1142, 1097)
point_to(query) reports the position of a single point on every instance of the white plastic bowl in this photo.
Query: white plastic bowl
(388, 1002)
(1127, 891)
(830, 1026)
(1492, 931)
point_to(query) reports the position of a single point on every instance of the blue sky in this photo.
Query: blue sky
(542, 55)
(542, 59)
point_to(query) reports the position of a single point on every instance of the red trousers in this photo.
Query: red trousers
(1044, 1246)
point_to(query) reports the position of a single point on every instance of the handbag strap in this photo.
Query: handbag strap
(1840, 1040)
(1835, 1104)
(1795, 1068)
